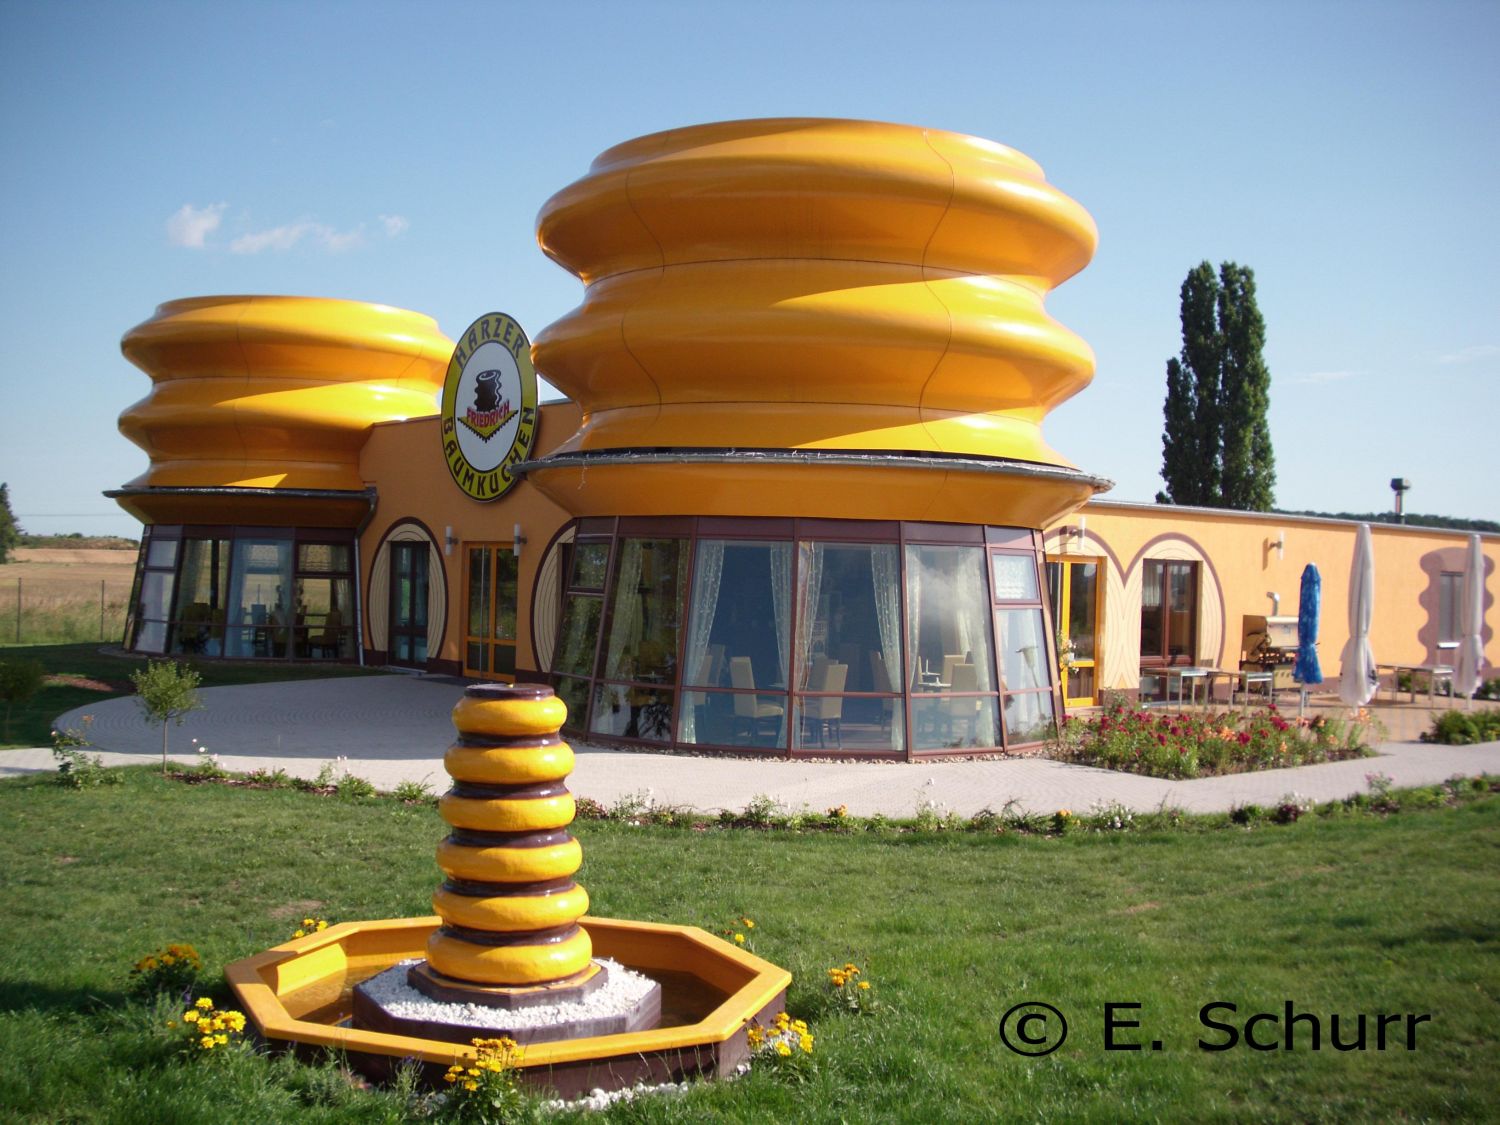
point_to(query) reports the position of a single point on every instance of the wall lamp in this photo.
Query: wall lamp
(1275, 602)
(449, 540)
(1278, 545)
(517, 540)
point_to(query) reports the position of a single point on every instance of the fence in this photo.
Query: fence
(59, 611)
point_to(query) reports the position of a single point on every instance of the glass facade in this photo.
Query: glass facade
(244, 593)
(805, 637)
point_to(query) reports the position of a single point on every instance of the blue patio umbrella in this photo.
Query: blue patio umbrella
(1306, 670)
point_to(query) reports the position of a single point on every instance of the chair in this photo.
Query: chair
(951, 661)
(963, 711)
(331, 638)
(826, 712)
(748, 709)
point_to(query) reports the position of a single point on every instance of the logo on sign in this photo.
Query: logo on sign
(489, 407)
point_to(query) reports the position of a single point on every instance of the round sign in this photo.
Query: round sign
(489, 406)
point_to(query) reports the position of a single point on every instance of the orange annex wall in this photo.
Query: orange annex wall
(1240, 565)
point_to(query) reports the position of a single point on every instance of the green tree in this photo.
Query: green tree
(166, 691)
(19, 681)
(1249, 465)
(1216, 441)
(10, 534)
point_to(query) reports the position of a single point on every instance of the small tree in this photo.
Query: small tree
(19, 681)
(166, 691)
(10, 534)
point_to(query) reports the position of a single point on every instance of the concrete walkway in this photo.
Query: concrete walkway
(390, 729)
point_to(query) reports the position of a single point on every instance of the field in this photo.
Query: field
(1334, 914)
(60, 592)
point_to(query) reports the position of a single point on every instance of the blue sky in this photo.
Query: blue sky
(1347, 152)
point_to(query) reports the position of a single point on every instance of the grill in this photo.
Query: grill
(1269, 644)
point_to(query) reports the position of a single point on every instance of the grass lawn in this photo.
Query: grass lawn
(1338, 914)
(83, 674)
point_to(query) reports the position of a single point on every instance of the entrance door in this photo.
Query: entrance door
(409, 605)
(1073, 585)
(490, 630)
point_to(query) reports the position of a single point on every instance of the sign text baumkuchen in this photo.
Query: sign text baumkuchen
(489, 406)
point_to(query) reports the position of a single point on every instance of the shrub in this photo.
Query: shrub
(19, 681)
(173, 970)
(1464, 728)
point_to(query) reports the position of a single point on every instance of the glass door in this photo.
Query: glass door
(1073, 586)
(490, 621)
(409, 605)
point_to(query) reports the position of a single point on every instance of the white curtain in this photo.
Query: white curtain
(971, 609)
(781, 597)
(885, 575)
(914, 607)
(809, 587)
(625, 631)
(707, 575)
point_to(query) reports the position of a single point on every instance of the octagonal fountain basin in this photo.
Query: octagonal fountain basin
(299, 995)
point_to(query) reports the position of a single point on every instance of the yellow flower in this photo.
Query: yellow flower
(207, 1042)
(300, 933)
(864, 984)
(806, 1043)
(204, 1002)
(221, 1039)
(783, 1050)
(470, 1084)
(749, 923)
(190, 1017)
(739, 939)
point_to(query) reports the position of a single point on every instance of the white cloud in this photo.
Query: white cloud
(191, 225)
(285, 237)
(1321, 377)
(1471, 354)
(395, 224)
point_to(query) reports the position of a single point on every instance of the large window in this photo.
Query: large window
(805, 637)
(1450, 602)
(1169, 612)
(245, 593)
(639, 660)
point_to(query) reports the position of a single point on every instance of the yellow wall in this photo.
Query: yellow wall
(1240, 565)
(404, 462)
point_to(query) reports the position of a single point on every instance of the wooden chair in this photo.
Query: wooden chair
(825, 713)
(749, 711)
(880, 680)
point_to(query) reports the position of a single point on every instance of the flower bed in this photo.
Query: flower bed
(1164, 744)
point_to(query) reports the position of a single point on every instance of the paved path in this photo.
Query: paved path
(395, 728)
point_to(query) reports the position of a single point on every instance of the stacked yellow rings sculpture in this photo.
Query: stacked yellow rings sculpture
(509, 905)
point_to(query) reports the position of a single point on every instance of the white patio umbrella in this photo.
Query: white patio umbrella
(1357, 678)
(1466, 676)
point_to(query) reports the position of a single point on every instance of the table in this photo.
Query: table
(1191, 678)
(1245, 680)
(1434, 673)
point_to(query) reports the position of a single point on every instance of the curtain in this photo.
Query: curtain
(914, 608)
(971, 608)
(625, 630)
(781, 596)
(706, 577)
(885, 576)
(810, 565)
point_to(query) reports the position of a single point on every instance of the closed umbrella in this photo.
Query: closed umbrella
(1307, 670)
(1466, 676)
(1357, 678)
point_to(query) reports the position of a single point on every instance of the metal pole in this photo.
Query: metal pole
(18, 609)
(101, 610)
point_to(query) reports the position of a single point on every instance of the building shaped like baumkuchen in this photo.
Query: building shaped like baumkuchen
(798, 499)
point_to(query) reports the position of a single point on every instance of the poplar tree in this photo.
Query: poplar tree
(10, 534)
(1216, 441)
